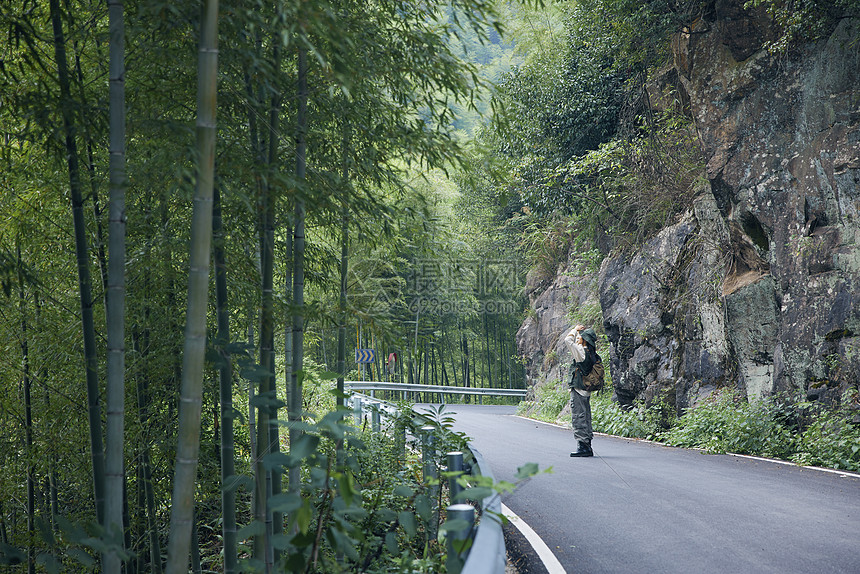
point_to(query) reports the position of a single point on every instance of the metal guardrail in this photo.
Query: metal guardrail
(412, 388)
(487, 554)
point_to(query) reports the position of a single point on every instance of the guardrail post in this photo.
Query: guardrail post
(455, 464)
(400, 437)
(356, 411)
(374, 417)
(457, 554)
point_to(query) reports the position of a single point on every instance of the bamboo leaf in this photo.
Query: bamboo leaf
(422, 507)
(281, 542)
(82, 557)
(255, 528)
(474, 493)
(11, 555)
(404, 491)
(341, 542)
(49, 562)
(236, 481)
(347, 488)
(267, 400)
(45, 532)
(527, 470)
(303, 447)
(407, 521)
(278, 460)
(304, 515)
(285, 502)
(391, 543)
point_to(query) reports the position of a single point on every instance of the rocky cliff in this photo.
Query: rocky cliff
(757, 286)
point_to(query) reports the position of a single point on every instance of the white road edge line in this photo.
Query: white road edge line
(789, 463)
(550, 562)
(843, 474)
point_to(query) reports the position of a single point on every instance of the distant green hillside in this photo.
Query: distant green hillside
(495, 57)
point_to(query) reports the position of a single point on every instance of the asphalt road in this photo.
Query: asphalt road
(641, 507)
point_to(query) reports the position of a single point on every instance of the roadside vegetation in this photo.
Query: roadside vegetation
(802, 432)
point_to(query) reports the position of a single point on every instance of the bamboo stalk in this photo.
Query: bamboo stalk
(115, 312)
(82, 257)
(188, 437)
(228, 461)
(295, 397)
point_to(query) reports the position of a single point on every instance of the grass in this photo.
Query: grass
(550, 400)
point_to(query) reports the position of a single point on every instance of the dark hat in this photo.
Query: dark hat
(590, 337)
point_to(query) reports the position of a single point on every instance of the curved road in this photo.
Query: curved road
(642, 507)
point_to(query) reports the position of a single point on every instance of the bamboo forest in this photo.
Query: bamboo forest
(218, 215)
(208, 207)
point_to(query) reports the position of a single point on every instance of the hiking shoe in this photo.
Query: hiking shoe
(583, 450)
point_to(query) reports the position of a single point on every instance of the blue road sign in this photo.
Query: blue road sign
(365, 355)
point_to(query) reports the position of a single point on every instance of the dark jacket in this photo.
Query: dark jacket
(579, 370)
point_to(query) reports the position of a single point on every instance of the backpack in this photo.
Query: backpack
(593, 381)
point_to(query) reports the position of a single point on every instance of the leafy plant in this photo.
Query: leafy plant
(611, 418)
(830, 439)
(803, 20)
(546, 243)
(727, 422)
(370, 508)
(550, 400)
(585, 314)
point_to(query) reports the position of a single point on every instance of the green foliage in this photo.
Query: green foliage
(359, 516)
(637, 185)
(576, 156)
(552, 400)
(375, 513)
(831, 438)
(804, 20)
(727, 422)
(610, 418)
(557, 109)
(640, 29)
(575, 94)
(546, 243)
(586, 314)
(385, 79)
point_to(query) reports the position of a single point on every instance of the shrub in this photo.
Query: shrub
(608, 417)
(550, 400)
(726, 422)
(829, 440)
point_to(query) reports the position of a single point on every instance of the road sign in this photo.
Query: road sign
(365, 355)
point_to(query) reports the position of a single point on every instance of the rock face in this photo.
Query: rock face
(539, 338)
(662, 312)
(756, 287)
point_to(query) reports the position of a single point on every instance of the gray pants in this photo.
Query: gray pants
(580, 408)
